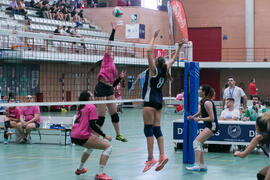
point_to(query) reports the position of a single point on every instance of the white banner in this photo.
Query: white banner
(132, 31)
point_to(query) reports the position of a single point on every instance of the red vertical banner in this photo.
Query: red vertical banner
(179, 13)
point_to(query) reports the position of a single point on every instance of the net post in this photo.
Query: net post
(191, 86)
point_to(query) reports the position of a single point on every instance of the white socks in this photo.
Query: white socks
(81, 166)
(101, 168)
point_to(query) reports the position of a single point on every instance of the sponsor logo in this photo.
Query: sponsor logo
(234, 131)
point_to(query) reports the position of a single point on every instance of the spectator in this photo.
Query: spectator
(57, 31)
(29, 119)
(230, 113)
(69, 30)
(255, 110)
(236, 93)
(27, 28)
(252, 88)
(14, 7)
(11, 119)
(63, 31)
(21, 7)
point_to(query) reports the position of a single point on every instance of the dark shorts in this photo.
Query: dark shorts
(37, 125)
(79, 142)
(103, 90)
(213, 126)
(157, 106)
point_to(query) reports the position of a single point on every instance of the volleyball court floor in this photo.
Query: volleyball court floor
(57, 162)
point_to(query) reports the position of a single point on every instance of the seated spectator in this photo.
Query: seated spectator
(21, 7)
(14, 7)
(69, 30)
(64, 31)
(27, 28)
(254, 111)
(230, 113)
(12, 118)
(57, 31)
(29, 119)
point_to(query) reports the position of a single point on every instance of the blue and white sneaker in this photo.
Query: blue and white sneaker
(5, 141)
(193, 168)
(203, 168)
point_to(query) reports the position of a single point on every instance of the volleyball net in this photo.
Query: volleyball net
(58, 68)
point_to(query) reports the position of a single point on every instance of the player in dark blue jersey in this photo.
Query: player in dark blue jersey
(208, 114)
(155, 78)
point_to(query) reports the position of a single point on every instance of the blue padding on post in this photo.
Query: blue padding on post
(191, 86)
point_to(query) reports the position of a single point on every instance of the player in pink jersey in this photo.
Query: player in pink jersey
(29, 119)
(82, 134)
(11, 119)
(107, 80)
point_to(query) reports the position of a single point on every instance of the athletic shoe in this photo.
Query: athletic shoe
(83, 171)
(103, 176)
(203, 168)
(193, 168)
(5, 141)
(9, 132)
(149, 164)
(121, 138)
(161, 162)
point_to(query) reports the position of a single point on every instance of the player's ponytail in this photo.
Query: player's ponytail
(84, 96)
(163, 67)
(209, 93)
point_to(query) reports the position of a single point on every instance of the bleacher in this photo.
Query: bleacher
(7, 21)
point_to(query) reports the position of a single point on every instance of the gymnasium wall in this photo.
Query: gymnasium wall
(152, 19)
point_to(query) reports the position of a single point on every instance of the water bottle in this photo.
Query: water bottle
(44, 123)
(49, 121)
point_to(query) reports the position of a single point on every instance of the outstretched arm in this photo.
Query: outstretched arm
(170, 63)
(109, 47)
(253, 143)
(150, 58)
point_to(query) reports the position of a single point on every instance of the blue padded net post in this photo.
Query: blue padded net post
(191, 86)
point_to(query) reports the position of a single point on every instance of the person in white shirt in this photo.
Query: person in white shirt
(236, 93)
(230, 113)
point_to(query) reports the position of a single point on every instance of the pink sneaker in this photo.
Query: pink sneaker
(161, 162)
(149, 164)
(102, 176)
(83, 171)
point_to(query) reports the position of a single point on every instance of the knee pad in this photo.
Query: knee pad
(148, 130)
(88, 151)
(260, 176)
(157, 131)
(100, 121)
(7, 124)
(197, 146)
(115, 118)
(107, 151)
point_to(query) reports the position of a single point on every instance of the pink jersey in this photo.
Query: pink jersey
(82, 130)
(108, 70)
(14, 113)
(29, 113)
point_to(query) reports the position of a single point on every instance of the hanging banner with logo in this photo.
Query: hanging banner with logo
(170, 13)
(135, 31)
(236, 132)
(179, 13)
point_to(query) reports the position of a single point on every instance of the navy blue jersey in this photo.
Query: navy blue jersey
(152, 88)
(213, 125)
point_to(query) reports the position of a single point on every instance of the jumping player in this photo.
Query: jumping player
(155, 78)
(81, 134)
(107, 79)
(209, 117)
(261, 139)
